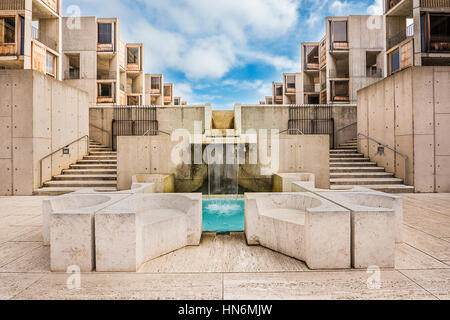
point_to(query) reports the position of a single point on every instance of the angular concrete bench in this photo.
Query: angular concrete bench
(164, 183)
(69, 228)
(300, 225)
(282, 182)
(144, 227)
(377, 222)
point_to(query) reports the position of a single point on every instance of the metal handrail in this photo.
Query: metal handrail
(295, 130)
(394, 150)
(51, 154)
(153, 130)
(341, 129)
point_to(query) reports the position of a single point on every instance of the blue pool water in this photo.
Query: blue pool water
(222, 215)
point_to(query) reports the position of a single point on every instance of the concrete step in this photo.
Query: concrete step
(356, 169)
(347, 148)
(97, 162)
(363, 181)
(390, 188)
(346, 155)
(365, 175)
(83, 184)
(100, 149)
(57, 191)
(353, 164)
(349, 160)
(94, 166)
(102, 157)
(89, 171)
(103, 153)
(89, 177)
(343, 151)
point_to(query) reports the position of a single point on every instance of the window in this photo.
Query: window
(279, 91)
(339, 31)
(312, 55)
(7, 30)
(167, 91)
(290, 82)
(340, 89)
(50, 64)
(177, 101)
(133, 55)
(105, 33)
(156, 83)
(395, 61)
(105, 90)
(438, 32)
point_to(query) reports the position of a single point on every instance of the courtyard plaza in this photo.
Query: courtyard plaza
(224, 267)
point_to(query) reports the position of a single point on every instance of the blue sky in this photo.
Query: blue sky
(221, 51)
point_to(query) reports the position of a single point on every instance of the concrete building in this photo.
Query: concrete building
(292, 88)
(168, 94)
(154, 84)
(97, 60)
(277, 92)
(30, 36)
(417, 34)
(311, 79)
(350, 57)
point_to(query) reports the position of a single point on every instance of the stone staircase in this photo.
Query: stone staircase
(98, 170)
(349, 168)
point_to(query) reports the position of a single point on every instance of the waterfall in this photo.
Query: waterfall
(223, 169)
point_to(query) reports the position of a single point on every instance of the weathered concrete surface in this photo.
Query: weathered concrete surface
(39, 115)
(228, 265)
(414, 121)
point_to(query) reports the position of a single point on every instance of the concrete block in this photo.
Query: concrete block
(6, 186)
(377, 221)
(144, 227)
(164, 183)
(441, 92)
(301, 225)
(282, 182)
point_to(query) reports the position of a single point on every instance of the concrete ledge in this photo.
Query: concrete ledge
(164, 183)
(301, 225)
(282, 182)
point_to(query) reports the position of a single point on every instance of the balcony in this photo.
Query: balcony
(311, 88)
(374, 73)
(36, 34)
(401, 36)
(73, 74)
(12, 5)
(106, 75)
(435, 3)
(339, 46)
(8, 49)
(338, 74)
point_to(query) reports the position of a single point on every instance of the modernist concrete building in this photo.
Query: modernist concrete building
(30, 36)
(96, 60)
(417, 34)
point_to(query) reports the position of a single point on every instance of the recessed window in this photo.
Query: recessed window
(156, 83)
(7, 30)
(290, 82)
(133, 55)
(395, 61)
(339, 31)
(105, 33)
(167, 91)
(50, 64)
(279, 91)
(105, 90)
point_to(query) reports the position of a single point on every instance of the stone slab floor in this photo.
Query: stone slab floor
(225, 268)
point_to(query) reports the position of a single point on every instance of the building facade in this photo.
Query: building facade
(30, 36)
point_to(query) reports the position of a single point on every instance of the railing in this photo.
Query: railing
(401, 36)
(374, 73)
(392, 149)
(435, 3)
(338, 75)
(106, 75)
(12, 5)
(55, 152)
(342, 129)
(73, 74)
(36, 34)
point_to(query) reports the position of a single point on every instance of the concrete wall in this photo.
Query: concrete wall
(38, 115)
(169, 119)
(410, 111)
(277, 117)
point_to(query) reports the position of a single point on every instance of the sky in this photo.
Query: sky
(221, 51)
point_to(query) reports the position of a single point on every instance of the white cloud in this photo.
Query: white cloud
(376, 8)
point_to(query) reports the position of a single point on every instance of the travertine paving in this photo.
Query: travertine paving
(226, 268)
